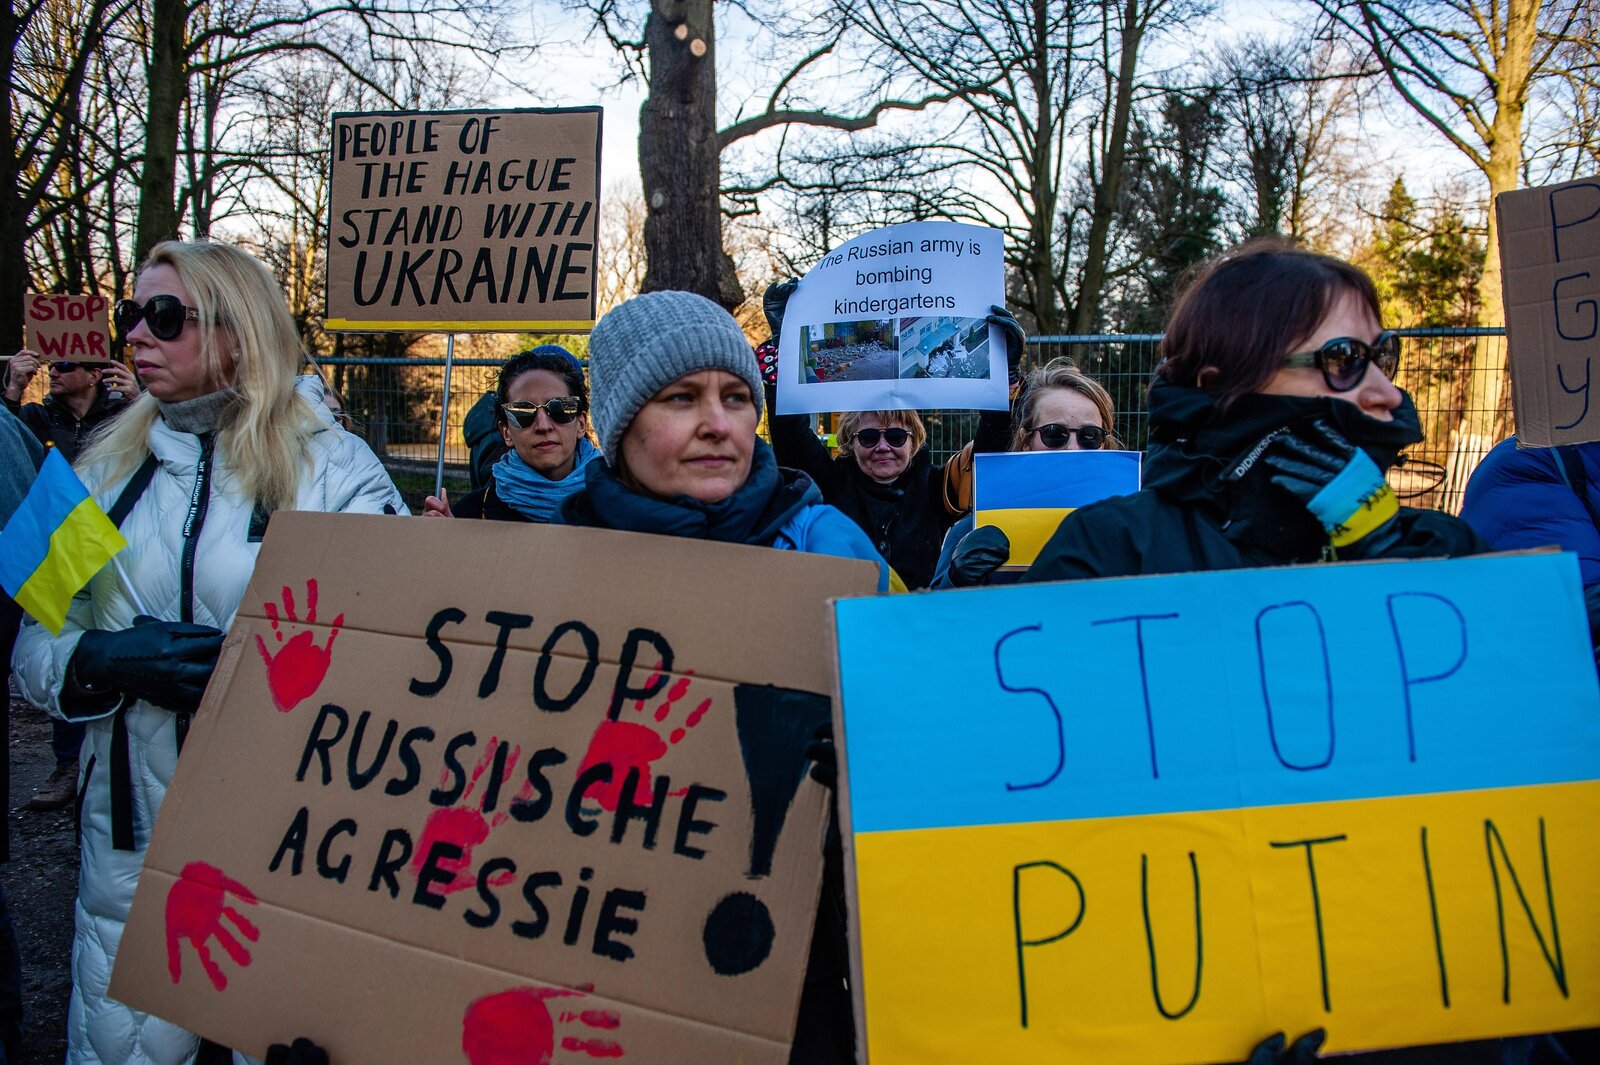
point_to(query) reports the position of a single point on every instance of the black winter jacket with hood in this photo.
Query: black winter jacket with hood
(53, 422)
(905, 520)
(1208, 502)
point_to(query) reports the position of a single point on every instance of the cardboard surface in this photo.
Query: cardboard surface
(68, 328)
(464, 221)
(667, 919)
(1550, 278)
(1153, 820)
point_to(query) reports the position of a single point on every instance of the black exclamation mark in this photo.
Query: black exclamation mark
(774, 726)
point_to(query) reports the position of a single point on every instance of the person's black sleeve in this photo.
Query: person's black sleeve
(1088, 544)
(795, 446)
(471, 505)
(994, 431)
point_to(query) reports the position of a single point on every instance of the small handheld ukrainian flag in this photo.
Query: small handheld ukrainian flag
(1027, 493)
(57, 539)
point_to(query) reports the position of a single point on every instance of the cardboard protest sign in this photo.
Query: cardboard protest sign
(1027, 493)
(1154, 820)
(68, 328)
(1550, 278)
(464, 221)
(463, 790)
(894, 319)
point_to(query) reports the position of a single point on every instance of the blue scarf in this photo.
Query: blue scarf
(755, 514)
(532, 494)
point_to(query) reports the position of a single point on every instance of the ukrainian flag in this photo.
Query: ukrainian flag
(1027, 493)
(57, 539)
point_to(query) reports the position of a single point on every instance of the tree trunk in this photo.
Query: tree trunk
(1481, 421)
(1109, 189)
(13, 211)
(167, 77)
(679, 166)
(13, 272)
(1041, 253)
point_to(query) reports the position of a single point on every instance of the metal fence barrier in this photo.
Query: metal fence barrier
(395, 405)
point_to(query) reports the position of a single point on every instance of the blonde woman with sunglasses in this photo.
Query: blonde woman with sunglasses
(1273, 416)
(542, 414)
(192, 470)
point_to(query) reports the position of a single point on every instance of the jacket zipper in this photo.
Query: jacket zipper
(199, 501)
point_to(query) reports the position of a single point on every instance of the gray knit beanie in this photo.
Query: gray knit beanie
(641, 346)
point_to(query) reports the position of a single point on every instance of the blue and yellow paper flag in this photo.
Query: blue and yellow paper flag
(1027, 493)
(57, 539)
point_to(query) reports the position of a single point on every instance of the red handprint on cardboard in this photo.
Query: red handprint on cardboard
(637, 744)
(196, 905)
(469, 823)
(516, 1027)
(296, 668)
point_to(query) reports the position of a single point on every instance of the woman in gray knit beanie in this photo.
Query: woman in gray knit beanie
(676, 398)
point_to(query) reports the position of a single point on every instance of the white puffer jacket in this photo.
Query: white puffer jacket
(346, 477)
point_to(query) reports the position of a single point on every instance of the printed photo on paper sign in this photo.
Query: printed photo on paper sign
(897, 319)
(944, 347)
(884, 349)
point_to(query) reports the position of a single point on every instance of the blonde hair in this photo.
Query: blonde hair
(248, 342)
(910, 420)
(1060, 373)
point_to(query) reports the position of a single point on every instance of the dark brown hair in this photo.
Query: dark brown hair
(1246, 309)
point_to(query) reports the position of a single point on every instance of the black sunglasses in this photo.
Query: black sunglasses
(68, 367)
(562, 409)
(164, 315)
(895, 437)
(1055, 436)
(1343, 360)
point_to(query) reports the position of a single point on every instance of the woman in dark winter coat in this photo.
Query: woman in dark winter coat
(884, 478)
(1272, 419)
(542, 412)
(1273, 415)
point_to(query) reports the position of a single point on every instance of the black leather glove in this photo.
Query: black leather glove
(824, 758)
(301, 1052)
(1303, 1051)
(980, 552)
(775, 301)
(1341, 486)
(163, 662)
(1016, 340)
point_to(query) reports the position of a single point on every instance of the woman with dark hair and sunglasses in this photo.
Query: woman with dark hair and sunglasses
(1061, 409)
(1273, 416)
(542, 412)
